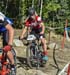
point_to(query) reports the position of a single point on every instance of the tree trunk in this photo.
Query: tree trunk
(41, 8)
(32, 3)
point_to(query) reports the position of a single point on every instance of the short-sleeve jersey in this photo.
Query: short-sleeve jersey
(4, 21)
(34, 23)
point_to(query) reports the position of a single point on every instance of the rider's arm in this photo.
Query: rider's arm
(23, 32)
(8, 25)
(41, 24)
(25, 28)
(43, 28)
(26, 19)
(11, 33)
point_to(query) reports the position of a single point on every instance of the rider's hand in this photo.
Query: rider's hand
(20, 38)
(41, 32)
(7, 48)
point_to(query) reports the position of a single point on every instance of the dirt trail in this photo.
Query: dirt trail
(62, 56)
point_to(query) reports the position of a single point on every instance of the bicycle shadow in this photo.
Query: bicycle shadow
(22, 62)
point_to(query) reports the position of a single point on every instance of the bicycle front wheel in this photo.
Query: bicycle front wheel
(29, 55)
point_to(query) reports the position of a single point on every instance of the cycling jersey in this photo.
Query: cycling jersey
(3, 22)
(34, 23)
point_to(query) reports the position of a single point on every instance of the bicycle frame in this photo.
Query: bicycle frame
(5, 67)
(4, 70)
(35, 52)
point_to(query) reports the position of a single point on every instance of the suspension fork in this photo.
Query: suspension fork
(4, 57)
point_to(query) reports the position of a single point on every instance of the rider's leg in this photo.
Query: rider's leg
(43, 40)
(44, 44)
(5, 42)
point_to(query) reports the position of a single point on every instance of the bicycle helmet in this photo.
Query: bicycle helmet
(31, 11)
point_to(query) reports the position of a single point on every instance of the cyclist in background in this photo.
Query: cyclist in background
(8, 32)
(34, 21)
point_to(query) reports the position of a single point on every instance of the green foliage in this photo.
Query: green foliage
(54, 12)
(52, 7)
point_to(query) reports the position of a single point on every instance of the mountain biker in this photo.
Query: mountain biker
(7, 32)
(34, 21)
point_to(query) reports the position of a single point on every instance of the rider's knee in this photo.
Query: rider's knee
(7, 48)
(43, 40)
